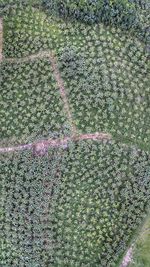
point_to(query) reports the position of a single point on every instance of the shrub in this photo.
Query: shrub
(121, 13)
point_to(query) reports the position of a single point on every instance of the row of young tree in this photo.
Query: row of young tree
(31, 102)
(71, 208)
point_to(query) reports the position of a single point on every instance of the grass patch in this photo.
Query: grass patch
(141, 256)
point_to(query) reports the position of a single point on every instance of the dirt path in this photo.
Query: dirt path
(94, 136)
(41, 147)
(60, 84)
(42, 54)
(15, 148)
(1, 39)
(127, 258)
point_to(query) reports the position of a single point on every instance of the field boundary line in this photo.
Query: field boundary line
(62, 90)
(127, 258)
(50, 56)
(40, 55)
(43, 145)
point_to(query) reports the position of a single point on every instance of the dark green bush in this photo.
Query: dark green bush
(122, 13)
(71, 62)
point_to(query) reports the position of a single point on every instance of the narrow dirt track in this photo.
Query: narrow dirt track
(127, 258)
(40, 55)
(43, 145)
(15, 148)
(63, 94)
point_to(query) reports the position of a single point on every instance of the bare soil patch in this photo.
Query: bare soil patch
(127, 258)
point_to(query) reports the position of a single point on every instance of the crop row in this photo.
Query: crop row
(72, 208)
(105, 71)
(31, 102)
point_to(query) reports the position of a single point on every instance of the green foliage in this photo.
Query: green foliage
(72, 208)
(122, 13)
(71, 63)
(30, 101)
(106, 71)
(28, 186)
(109, 90)
(14, 2)
(28, 30)
(81, 206)
(102, 197)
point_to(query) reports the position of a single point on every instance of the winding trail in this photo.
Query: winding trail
(15, 148)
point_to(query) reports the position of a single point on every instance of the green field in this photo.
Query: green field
(105, 71)
(31, 103)
(58, 208)
(82, 205)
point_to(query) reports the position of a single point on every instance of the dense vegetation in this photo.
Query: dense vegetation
(104, 92)
(74, 207)
(116, 12)
(82, 205)
(105, 70)
(31, 103)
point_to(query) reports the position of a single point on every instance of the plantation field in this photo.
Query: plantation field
(31, 103)
(105, 71)
(75, 93)
(74, 207)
